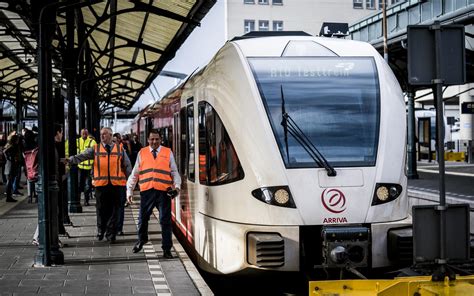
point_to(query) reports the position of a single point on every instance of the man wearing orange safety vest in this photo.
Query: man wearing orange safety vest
(111, 168)
(158, 178)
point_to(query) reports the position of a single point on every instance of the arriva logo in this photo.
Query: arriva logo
(333, 200)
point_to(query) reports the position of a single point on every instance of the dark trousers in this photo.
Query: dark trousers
(107, 207)
(121, 213)
(16, 180)
(10, 180)
(85, 183)
(149, 200)
(9, 189)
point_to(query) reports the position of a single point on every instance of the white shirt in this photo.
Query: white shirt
(133, 178)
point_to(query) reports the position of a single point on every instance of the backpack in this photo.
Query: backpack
(32, 164)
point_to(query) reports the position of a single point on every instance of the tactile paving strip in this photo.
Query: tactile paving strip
(151, 255)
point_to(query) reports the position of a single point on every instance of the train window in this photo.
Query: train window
(190, 142)
(334, 100)
(218, 161)
(167, 136)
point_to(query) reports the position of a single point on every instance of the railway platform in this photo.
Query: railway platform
(91, 267)
(458, 179)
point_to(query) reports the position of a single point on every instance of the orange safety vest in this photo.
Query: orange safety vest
(155, 173)
(108, 166)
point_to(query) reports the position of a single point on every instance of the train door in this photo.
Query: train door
(424, 138)
(189, 166)
(176, 148)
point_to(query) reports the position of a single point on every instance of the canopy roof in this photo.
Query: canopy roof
(124, 44)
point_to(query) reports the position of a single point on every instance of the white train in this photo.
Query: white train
(292, 152)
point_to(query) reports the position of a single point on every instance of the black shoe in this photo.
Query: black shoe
(111, 240)
(11, 200)
(120, 233)
(167, 254)
(100, 236)
(138, 246)
(86, 203)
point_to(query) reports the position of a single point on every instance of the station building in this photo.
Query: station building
(243, 16)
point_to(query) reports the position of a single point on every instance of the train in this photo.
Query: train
(292, 151)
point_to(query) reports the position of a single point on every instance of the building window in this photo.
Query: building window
(263, 2)
(386, 5)
(218, 161)
(249, 1)
(277, 25)
(277, 2)
(370, 4)
(263, 25)
(249, 25)
(358, 4)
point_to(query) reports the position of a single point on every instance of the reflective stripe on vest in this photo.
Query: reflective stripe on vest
(82, 145)
(154, 173)
(108, 167)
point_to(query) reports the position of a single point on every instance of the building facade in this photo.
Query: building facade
(243, 16)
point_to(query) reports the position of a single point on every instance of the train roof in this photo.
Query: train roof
(299, 44)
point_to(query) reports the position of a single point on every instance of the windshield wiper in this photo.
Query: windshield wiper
(290, 126)
(284, 122)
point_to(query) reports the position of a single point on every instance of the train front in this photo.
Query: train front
(337, 117)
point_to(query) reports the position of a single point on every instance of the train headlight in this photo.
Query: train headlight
(275, 195)
(393, 191)
(385, 192)
(282, 196)
(382, 193)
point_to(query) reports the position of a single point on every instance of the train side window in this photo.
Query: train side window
(190, 142)
(218, 160)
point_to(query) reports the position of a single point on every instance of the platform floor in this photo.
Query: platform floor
(91, 267)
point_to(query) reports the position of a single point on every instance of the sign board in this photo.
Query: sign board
(334, 29)
(426, 233)
(422, 58)
(467, 108)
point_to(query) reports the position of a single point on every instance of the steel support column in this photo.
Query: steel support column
(59, 119)
(81, 61)
(74, 198)
(411, 141)
(48, 253)
(19, 108)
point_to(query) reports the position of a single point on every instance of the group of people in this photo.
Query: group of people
(19, 152)
(114, 181)
(111, 169)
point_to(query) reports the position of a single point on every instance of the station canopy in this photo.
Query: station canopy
(123, 44)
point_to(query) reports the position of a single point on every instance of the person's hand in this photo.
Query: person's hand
(64, 160)
(130, 199)
(172, 192)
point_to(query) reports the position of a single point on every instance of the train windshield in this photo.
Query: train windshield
(334, 100)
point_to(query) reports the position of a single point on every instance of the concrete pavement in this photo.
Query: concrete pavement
(91, 267)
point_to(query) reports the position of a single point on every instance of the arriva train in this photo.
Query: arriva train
(292, 154)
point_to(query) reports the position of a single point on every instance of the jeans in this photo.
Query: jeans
(85, 184)
(16, 179)
(149, 200)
